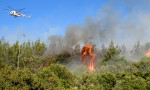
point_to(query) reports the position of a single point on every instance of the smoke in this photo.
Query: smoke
(123, 21)
(2, 39)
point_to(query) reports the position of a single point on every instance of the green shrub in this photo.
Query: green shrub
(108, 80)
(16, 79)
(90, 82)
(46, 79)
(130, 82)
(143, 65)
(67, 79)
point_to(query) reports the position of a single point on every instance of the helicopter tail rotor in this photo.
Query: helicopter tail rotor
(28, 16)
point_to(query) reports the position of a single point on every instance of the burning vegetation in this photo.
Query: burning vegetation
(109, 70)
(121, 64)
(147, 54)
(88, 49)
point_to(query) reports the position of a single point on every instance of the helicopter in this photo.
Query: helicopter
(16, 13)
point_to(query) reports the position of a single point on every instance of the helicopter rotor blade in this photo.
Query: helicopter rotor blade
(10, 7)
(25, 12)
(20, 9)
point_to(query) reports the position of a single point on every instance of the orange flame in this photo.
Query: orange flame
(148, 53)
(47, 62)
(85, 49)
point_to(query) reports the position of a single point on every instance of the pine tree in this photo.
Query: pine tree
(111, 52)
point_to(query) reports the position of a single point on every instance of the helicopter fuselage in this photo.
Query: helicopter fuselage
(15, 13)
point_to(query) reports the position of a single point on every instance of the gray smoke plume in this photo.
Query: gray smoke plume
(2, 39)
(123, 21)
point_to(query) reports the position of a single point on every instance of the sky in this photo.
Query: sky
(48, 17)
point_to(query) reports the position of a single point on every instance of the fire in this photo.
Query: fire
(47, 62)
(85, 49)
(148, 53)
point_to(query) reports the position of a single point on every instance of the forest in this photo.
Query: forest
(28, 66)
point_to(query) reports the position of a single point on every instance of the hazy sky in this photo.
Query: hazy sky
(48, 17)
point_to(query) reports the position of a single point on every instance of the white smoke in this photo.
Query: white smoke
(123, 21)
